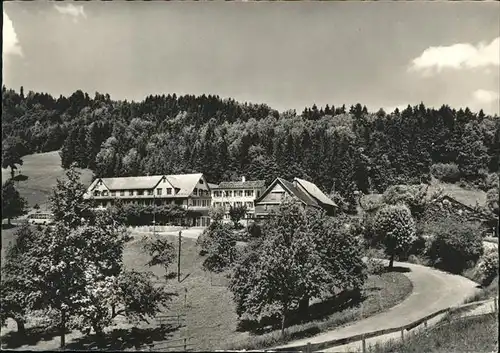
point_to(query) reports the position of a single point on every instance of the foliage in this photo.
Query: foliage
(13, 205)
(16, 289)
(12, 151)
(447, 172)
(488, 266)
(455, 245)
(236, 213)
(302, 255)
(396, 229)
(254, 230)
(492, 200)
(338, 148)
(161, 251)
(413, 196)
(218, 244)
(76, 267)
(134, 214)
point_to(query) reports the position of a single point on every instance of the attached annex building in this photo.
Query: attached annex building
(302, 190)
(190, 191)
(237, 194)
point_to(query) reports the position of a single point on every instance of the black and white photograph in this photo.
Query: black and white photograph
(235, 176)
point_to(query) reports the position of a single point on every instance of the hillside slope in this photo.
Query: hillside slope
(38, 174)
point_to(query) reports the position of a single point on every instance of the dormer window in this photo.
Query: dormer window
(201, 181)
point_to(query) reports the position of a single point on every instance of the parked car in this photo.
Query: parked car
(40, 218)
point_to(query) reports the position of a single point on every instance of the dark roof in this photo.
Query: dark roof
(242, 184)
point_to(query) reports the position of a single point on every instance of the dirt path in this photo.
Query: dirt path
(432, 290)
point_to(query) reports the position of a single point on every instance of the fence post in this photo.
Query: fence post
(184, 344)
(425, 323)
(308, 349)
(402, 334)
(364, 345)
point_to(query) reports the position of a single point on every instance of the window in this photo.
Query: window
(97, 193)
(201, 181)
(113, 193)
(131, 193)
(150, 192)
(249, 204)
(158, 191)
(195, 192)
(258, 193)
(169, 191)
(177, 190)
(248, 193)
(238, 204)
(240, 193)
(140, 192)
(217, 193)
(229, 193)
(122, 192)
(104, 193)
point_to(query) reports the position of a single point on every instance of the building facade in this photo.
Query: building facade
(237, 193)
(301, 190)
(189, 191)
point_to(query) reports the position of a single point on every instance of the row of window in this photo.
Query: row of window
(236, 193)
(236, 204)
(201, 203)
(159, 192)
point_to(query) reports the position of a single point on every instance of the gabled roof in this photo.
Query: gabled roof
(250, 184)
(184, 182)
(213, 186)
(302, 196)
(122, 183)
(315, 192)
(292, 190)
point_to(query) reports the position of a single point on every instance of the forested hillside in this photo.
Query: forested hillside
(338, 148)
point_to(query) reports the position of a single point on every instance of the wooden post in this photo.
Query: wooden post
(179, 258)
(402, 335)
(185, 344)
(364, 345)
(308, 349)
(425, 323)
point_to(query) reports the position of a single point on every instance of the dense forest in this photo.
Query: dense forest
(341, 148)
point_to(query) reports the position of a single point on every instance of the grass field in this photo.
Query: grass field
(476, 334)
(38, 174)
(210, 316)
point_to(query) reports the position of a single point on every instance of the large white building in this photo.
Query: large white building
(237, 193)
(189, 191)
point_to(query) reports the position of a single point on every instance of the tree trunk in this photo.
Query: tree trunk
(12, 173)
(391, 262)
(283, 322)
(63, 328)
(304, 307)
(8, 221)
(21, 329)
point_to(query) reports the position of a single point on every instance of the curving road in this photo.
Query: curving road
(432, 290)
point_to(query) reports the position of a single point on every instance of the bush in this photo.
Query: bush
(488, 267)
(447, 172)
(374, 266)
(254, 230)
(455, 246)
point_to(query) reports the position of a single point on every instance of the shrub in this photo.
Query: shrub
(374, 266)
(254, 230)
(413, 196)
(455, 245)
(488, 267)
(447, 172)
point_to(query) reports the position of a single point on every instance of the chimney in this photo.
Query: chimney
(243, 179)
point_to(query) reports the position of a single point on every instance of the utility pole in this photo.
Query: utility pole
(179, 258)
(154, 213)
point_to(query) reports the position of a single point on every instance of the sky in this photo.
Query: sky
(288, 55)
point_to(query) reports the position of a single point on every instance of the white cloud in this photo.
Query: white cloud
(458, 56)
(11, 44)
(485, 96)
(71, 10)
